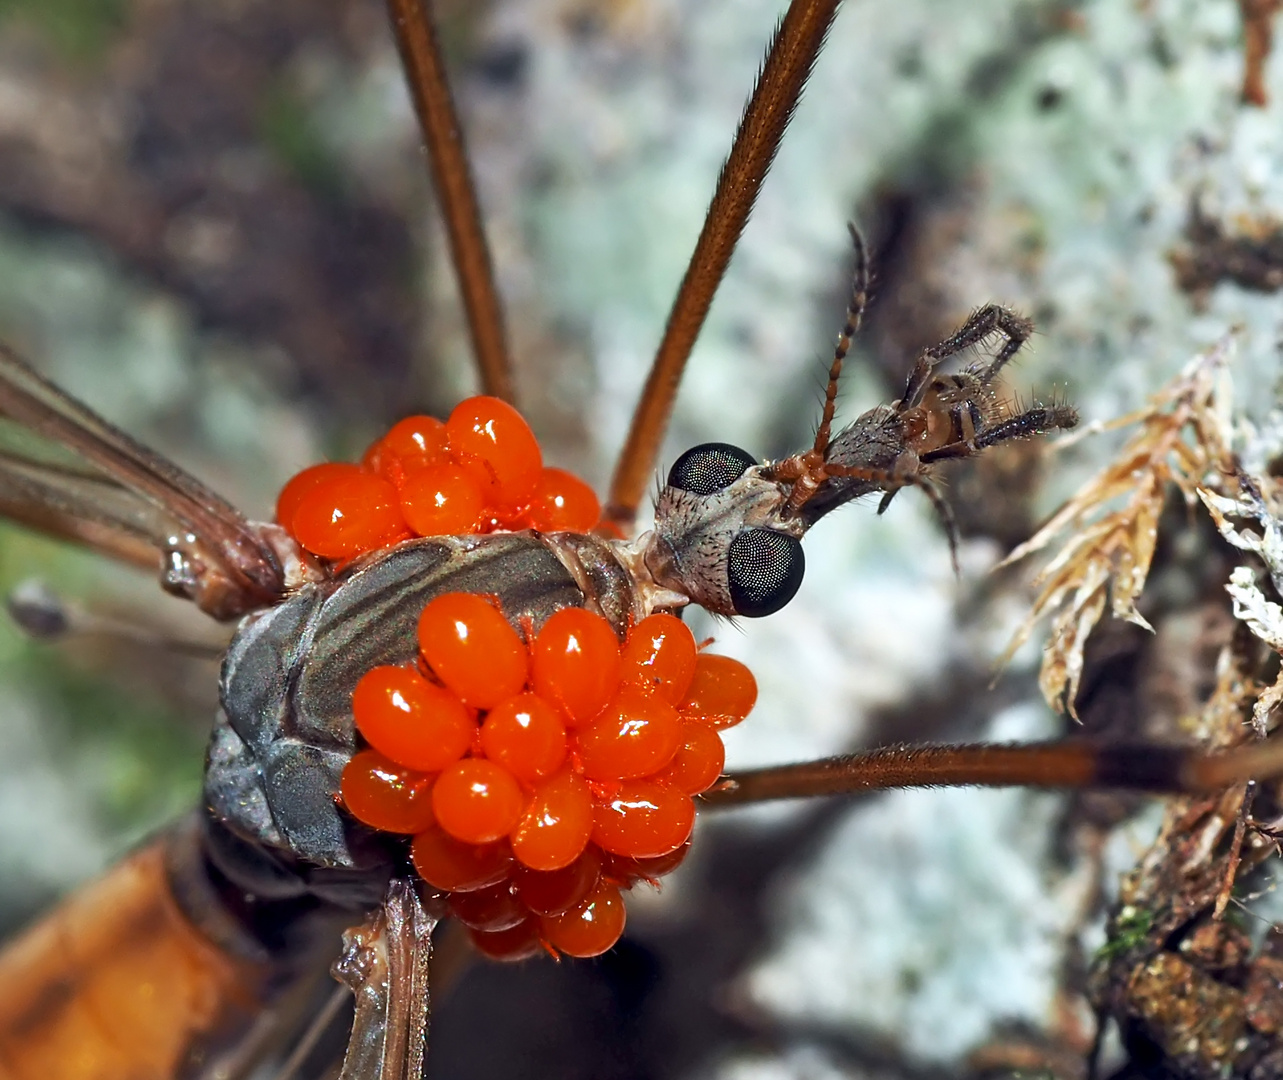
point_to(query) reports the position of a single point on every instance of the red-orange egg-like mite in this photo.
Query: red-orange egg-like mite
(538, 772)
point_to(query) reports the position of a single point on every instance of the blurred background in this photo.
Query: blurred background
(215, 228)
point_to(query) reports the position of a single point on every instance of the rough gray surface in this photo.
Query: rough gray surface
(1041, 155)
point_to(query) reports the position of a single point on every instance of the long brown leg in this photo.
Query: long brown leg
(452, 179)
(788, 65)
(1137, 767)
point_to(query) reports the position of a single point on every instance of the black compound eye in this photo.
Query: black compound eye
(764, 569)
(708, 468)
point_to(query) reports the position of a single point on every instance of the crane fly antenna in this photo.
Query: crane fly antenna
(420, 49)
(854, 314)
(788, 64)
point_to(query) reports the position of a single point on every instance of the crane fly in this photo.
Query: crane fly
(236, 927)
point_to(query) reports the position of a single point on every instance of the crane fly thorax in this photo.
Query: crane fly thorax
(285, 731)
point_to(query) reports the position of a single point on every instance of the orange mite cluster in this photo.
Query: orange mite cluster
(539, 780)
(479, 471)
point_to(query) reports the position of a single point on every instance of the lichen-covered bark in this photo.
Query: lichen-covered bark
(207, 232)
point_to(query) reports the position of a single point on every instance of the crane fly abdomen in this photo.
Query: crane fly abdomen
(285, 728)
(118, 983)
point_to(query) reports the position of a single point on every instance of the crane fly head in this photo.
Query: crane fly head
(722, 536)
(728, 530)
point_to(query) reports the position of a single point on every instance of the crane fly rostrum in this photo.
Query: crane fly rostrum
(728, 530)
(458, 687)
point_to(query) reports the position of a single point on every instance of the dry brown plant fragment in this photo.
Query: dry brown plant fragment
(1183, 438)
(1177, 975)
